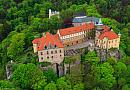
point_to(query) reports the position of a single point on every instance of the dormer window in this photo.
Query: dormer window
(45, 47)
(55, 46)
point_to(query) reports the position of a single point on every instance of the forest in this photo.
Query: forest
(23, 20)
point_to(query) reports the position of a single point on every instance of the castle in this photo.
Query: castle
(50, 48)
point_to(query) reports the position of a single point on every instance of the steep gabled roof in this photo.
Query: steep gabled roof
(48, 40)
(73, 30)
(109, 34)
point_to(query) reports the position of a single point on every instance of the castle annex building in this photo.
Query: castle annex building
(108, 39)
(49, 48)
(75, 35)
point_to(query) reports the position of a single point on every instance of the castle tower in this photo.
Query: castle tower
(99, 23)
(50, 13)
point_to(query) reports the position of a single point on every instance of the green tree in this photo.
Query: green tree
(17, 46)
(11, 13)
(28, 76)
(128, 12)
(42, 13)
(46, 25)
(79, 86)
(55, 24)
(4, 85)
(105, 79)
(63, 84)
(92, 11)
(50, 75)
(1, 31)
(100, 76)
(112, 61)
(76, 75)
(50, 86)
(120, 70)
(65, 14)
(102, 4)
(126, 87)
(126, 60)
(112, 23)
(36, 23)
(91, 57)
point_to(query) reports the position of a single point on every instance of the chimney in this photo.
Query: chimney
(111, 29)
(119, 34)
(43, 34)
(50, 13)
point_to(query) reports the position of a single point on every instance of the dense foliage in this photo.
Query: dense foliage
(23, 20)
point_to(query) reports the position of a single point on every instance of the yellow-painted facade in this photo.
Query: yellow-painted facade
(105, 43)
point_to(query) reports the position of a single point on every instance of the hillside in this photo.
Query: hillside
(21, 21)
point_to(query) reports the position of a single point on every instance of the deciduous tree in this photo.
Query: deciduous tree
(28, 76)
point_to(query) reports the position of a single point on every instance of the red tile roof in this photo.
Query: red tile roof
(105, 28)
(109, 34)
(72, 30)
(47, 40)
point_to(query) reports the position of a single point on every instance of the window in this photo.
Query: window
(47, 52)
(41, 53)
(55, 46)
(45, 47)
(55, 51)
(51, 52)
(60, 51)
(41, 58)
(48, 57)
(60, 55)
(52, 57)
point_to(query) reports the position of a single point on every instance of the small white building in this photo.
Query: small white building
(51, 13)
